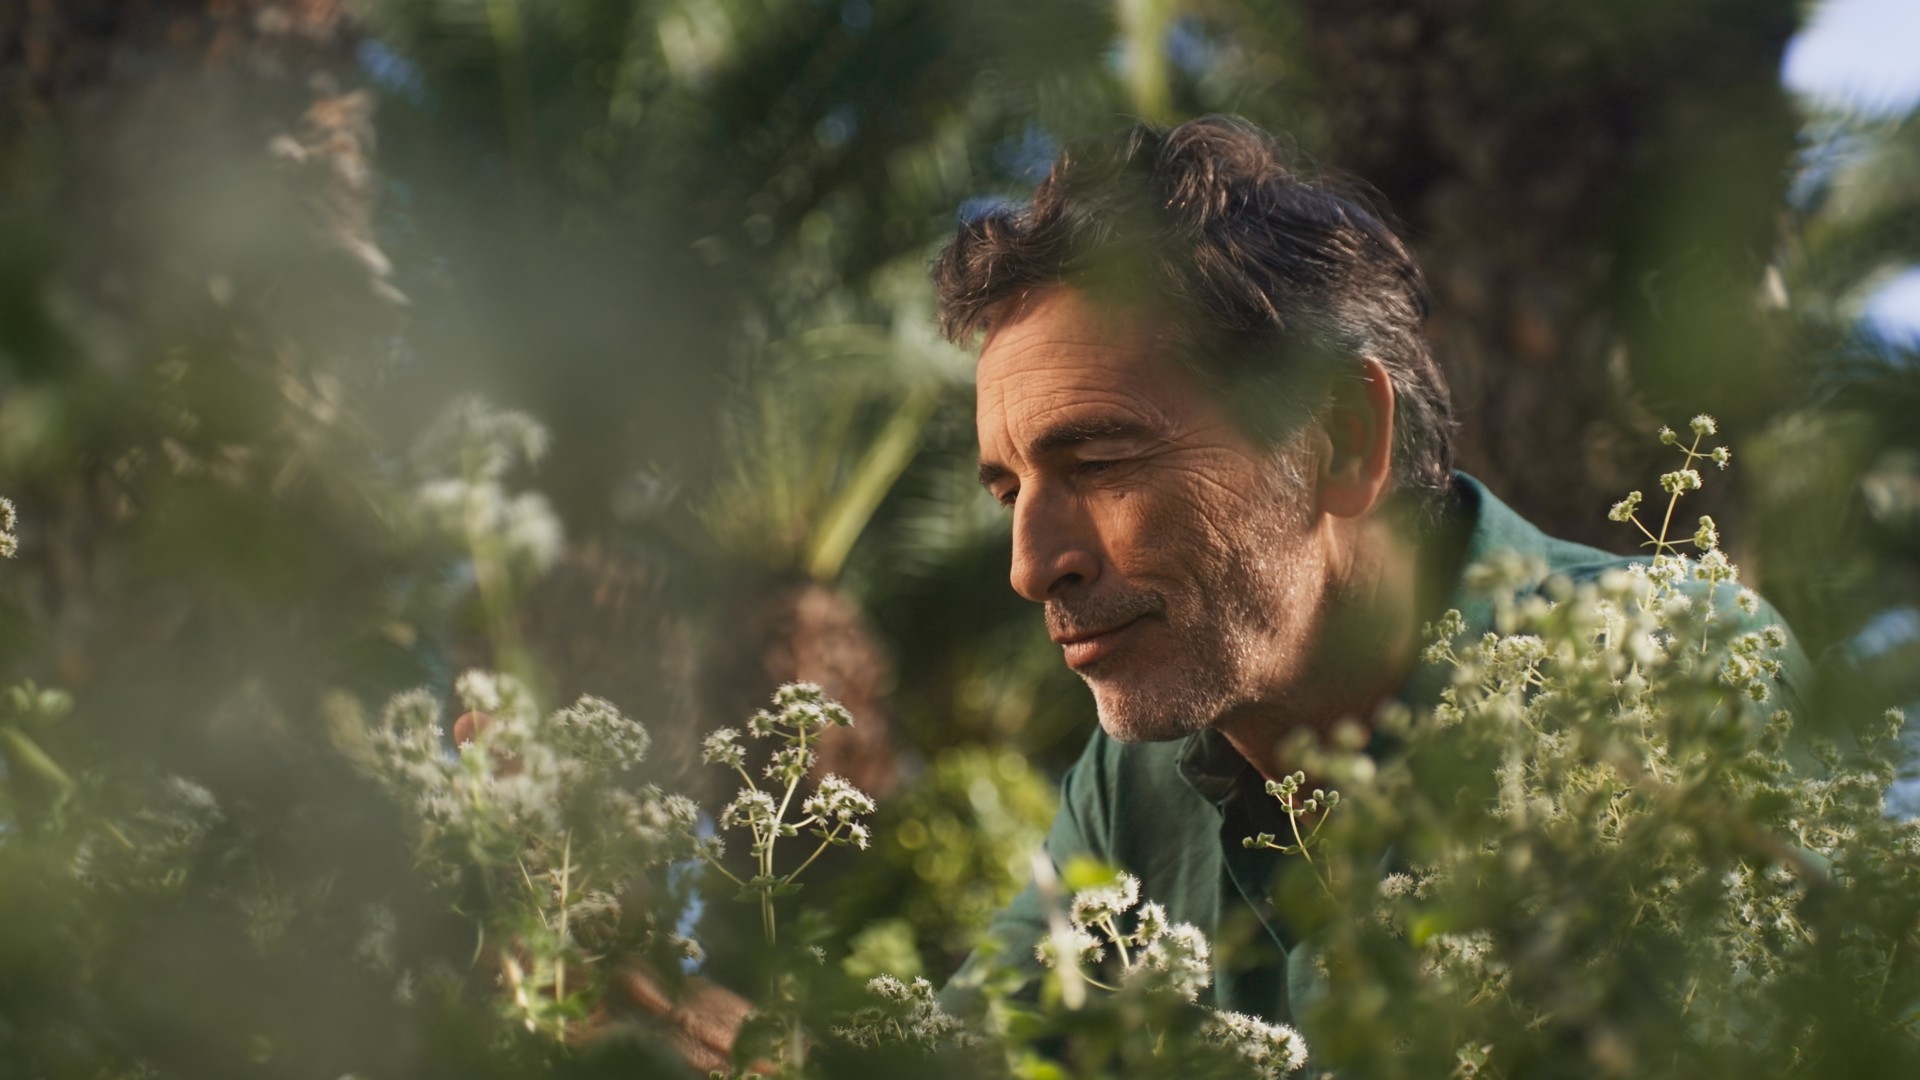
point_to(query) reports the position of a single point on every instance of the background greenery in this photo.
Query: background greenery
(251, 249)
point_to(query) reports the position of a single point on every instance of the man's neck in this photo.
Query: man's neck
(1394, 581)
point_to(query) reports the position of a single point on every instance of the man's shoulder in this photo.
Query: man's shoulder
(1498, 528)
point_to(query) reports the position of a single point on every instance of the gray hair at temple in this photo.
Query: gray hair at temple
(1268, 283)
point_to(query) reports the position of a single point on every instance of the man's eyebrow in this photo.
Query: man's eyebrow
(1071, 433)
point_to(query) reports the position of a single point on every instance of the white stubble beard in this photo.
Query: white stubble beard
(1247, 649)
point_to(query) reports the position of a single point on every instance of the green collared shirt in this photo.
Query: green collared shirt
(1174, 813)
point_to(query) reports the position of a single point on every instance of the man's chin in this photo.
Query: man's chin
(1129, 719)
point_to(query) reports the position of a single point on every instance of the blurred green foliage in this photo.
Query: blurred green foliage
(949, 852)
(248, 251)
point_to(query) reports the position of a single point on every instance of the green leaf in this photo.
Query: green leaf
(25, 754)
(1086, 872)
(1427, 926)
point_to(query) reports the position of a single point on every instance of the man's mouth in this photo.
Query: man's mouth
(1082, 649)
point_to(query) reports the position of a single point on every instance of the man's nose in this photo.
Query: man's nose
(1054, 546)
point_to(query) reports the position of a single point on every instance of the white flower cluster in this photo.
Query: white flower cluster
(1273, 1050)
(799, 707)
(507, 786)
(908, 1014)
(9, 526)
(1155, 953)
(1634, 761)
(723, 747)
(540, 806)
(593, 729)
(801, 714)
(463, 461)
(1104, 902)
(749, 810)
(836, 804)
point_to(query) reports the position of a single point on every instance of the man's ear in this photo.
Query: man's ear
(1359, 452)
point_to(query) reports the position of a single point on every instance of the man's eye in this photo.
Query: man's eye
(1094, 466)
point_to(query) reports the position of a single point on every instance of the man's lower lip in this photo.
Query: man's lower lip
(1091, 650)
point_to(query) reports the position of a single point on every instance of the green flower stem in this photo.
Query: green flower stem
(766, 851)
(824, 844)
(1674, 499)
(1293, 822)
(724, 872)
(1646, 532)
(1119, 941)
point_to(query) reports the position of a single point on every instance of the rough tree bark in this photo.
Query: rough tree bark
(1593, 190)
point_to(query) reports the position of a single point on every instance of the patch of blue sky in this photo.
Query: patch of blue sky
(980, 206)
(1190, 47)
(1028, 155)
(1892, 313)
(393, 74)
(1860, 58)
(1887, 631)
(1859, 55)
(678, 875)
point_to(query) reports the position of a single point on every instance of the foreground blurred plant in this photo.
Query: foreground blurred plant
(948, 851)
(534, 815)
(1609, 852)
(463, 462)
(1162, 961)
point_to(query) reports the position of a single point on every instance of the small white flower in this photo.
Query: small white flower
(1680, 480)
(1087, 948)
(690, 950)
(1706, 537)
(723, 748)
(1715, 567)
(1623, 510)
(749, 808)
(531, 530)
(1183, 955)
(1150, 922)
(1104, 902)
(9, 524)
(1274, 1050)
(837, 801)
(480, 690)
(789, 763)
(599, 732)
(1395, 885)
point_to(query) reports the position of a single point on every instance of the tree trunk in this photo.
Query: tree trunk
(1593, 191)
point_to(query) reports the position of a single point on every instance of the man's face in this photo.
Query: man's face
(1182, 575)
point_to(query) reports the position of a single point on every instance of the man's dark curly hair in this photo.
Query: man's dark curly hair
(1268, 283)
